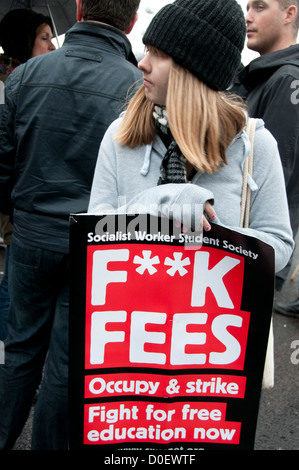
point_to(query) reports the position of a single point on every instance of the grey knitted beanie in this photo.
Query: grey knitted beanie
(204, 36)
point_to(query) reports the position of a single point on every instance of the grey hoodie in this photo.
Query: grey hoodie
(125, 180)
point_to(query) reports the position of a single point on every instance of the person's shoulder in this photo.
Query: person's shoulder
(290, 71)
(113, 127)
(15, 77)
(265, 145)
(109, 136)
(262, 134)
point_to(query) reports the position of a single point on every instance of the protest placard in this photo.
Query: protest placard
(168, 334)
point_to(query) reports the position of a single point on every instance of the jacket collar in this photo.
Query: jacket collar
(99, 35)
(264, 66)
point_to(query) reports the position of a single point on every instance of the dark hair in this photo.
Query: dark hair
(18, 32)
(117, 13)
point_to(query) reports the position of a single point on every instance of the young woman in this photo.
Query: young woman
(43, 40)
(24, 34)
(182, 127)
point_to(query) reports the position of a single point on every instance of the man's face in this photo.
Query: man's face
(265, 20)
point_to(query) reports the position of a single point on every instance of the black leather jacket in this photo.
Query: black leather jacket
(270, 86)
(57, 109)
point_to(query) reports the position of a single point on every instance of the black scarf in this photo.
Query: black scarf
(173, 166)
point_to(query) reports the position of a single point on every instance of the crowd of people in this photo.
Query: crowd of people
(66, 146)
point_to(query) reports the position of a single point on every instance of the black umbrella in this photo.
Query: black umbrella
(61, 12)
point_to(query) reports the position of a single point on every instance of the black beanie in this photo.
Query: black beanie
(18, 32)
(204, 36)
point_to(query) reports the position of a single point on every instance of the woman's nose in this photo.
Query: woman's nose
(143, 64)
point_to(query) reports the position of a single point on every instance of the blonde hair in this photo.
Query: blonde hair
(202, 121)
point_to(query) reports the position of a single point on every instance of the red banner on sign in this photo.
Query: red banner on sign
(130, 320)
(167, 339)
(136, 384)
(159, 423)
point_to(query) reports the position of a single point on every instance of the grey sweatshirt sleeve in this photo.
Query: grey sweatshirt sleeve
(181, 202)
(118, 176)
(269, 214)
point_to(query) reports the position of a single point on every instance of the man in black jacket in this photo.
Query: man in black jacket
(270, 86)
(57, 109)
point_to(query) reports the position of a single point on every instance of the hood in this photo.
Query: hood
(264, 66)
